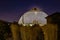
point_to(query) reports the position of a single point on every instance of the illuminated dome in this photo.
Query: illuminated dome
(34, 16)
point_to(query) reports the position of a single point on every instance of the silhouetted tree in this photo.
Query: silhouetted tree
(4, 30)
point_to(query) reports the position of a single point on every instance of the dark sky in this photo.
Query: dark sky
(11, 10)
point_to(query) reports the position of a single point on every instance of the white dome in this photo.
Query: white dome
(33, 16)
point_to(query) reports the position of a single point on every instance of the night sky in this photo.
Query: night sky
(11, 10)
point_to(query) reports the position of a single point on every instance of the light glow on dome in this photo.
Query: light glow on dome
(31, 24)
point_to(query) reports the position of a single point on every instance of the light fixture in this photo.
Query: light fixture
(24, 24)
(31, 24)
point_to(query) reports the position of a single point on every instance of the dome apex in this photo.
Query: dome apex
(35, 9)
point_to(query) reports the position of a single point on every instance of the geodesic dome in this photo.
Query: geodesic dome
(34, 16)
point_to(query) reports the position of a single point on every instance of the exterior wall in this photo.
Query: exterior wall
(31, 33)
(15, 31)
(49, 30)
